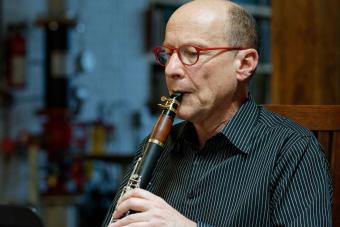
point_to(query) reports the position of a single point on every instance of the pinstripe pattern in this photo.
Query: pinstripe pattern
(260, 170)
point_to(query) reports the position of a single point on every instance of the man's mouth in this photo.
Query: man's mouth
(180, 91)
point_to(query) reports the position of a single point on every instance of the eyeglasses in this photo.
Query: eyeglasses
(187, 54)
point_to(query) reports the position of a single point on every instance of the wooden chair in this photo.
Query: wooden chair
(324, 121)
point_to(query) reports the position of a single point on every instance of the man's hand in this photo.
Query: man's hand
(151, 211)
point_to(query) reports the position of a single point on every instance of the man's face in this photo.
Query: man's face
(208, 86)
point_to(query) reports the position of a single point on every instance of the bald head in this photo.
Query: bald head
(233, 23)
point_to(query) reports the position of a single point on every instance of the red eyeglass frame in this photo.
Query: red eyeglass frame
(155, 51)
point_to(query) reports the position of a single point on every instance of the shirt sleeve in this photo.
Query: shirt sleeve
(301, 187)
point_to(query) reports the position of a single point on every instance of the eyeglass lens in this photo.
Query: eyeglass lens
(187, 54)
(163, 55)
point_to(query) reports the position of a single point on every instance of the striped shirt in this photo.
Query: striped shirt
(261, 169)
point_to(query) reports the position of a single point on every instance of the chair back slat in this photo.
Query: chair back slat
(313, 117)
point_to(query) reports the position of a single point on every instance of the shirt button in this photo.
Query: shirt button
(191, 195)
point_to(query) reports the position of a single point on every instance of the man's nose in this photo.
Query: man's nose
(174, 68)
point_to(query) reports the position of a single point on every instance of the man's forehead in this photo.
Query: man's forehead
(198, 30)
(199, 12)
(199, 16)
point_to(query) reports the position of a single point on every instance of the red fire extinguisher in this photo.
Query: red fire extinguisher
(16, 57)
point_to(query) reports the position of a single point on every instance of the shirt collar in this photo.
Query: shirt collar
(239, 129)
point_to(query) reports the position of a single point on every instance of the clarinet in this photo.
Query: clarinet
(142, 171)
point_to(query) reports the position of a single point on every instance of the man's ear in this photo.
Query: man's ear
(245, 63)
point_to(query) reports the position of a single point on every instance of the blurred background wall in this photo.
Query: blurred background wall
(80, 87)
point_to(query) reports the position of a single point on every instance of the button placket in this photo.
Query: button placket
(194, 175)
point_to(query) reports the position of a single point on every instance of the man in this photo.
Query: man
(231, 162)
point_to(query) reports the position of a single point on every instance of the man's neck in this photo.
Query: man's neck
(207, 128)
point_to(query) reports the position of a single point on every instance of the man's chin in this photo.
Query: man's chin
(184, 115)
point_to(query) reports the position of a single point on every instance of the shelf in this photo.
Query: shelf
(122, 159)
(62, 21)
(258, 11)
(60, 199)
(169, 2)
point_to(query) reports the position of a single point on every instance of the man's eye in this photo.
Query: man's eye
(190, 53)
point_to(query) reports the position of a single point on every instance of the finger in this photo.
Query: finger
(140, 193)
(132, 219)
(140, 224)
(135, 204)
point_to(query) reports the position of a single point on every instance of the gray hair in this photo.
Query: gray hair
(241, 28)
